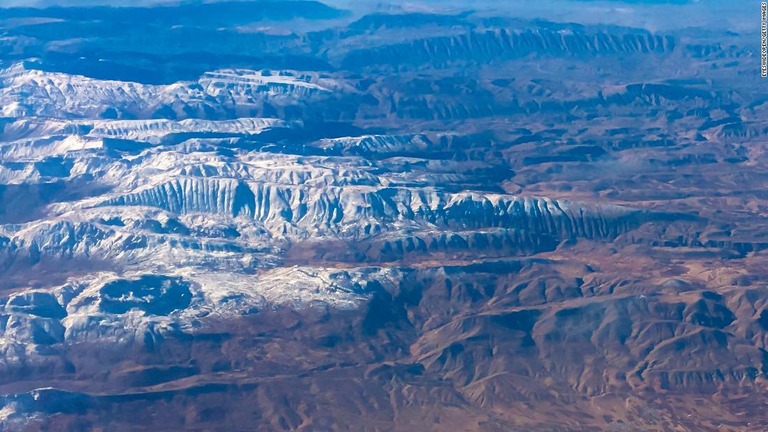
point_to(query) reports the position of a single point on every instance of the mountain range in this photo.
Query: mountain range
(290, 216)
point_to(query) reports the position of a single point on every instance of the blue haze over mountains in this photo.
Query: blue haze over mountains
(453, 215)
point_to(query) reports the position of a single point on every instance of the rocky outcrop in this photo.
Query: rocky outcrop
(347, 209)
(188, 195)
(494, 45)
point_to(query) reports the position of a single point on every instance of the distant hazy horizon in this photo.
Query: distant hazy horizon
(649, 14)
(370, 215)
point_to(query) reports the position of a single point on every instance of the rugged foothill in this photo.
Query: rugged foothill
(296, 217)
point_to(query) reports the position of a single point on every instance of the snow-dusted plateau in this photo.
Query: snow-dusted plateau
(285, 215)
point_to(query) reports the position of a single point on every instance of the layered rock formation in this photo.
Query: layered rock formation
(418, 221)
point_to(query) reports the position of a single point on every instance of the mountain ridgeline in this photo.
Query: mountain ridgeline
(282, 215)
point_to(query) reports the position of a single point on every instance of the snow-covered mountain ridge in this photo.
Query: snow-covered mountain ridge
(173, 199)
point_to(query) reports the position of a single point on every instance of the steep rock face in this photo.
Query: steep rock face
(244, 83)
(334, 209)
(270, 215)
(480, 47)
(453, 245)
(186, 195)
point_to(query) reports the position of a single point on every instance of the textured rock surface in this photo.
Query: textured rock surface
(410, 221)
